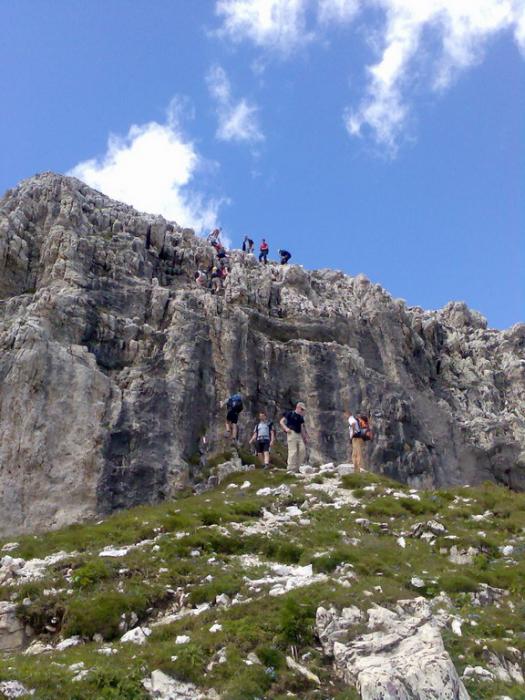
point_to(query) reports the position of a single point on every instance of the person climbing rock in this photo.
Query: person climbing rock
(234, 407)
(297, 437)
(247, 245)
(201, 279)
(216, 280)
(359, 431)
(214, 236)
(264, 249)
(285, 256)
(263, 437)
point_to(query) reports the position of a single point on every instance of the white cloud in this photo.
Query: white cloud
(460, 29)
(238, 121)
(277, 24)
(152, 168)
(463, 28)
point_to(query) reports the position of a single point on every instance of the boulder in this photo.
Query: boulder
(402, 657)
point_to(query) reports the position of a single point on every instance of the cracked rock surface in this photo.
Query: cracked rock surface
(113, 363)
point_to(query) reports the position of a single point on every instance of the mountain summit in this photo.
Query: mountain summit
(113, 362)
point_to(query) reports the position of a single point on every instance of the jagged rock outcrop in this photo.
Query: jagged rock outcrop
(402, 656)
(113, 363)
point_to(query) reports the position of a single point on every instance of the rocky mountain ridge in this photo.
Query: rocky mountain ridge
(113, 362)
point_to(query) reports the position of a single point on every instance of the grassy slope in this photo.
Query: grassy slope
(87, 594)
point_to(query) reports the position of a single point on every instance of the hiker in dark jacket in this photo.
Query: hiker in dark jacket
(247, 245)
(233, 409)
(285, 256)
(293, 425)
(263, 437)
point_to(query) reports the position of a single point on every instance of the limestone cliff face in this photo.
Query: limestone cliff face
(113, 363)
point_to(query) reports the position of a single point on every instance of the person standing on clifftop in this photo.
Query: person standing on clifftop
(214, 236)
(247, 245)
(297, 436)
(264, 250)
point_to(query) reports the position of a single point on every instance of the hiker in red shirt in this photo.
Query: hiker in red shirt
(264, 250)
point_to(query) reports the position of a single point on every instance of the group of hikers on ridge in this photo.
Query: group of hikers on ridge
(214, 276)
(293, 424)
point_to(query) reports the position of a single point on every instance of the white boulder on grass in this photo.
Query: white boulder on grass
(138, 635)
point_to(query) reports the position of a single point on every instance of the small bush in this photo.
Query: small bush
(212, 517)
(250, 683)
(424, 505)
(282, 551)
(457, 583)
(270, 656)
(329, 562)
(89, 574)
(207, 592)
(115, 685)
(101, 613)
(252, 509)
(385, 507)
(190, 663)
(296, 621)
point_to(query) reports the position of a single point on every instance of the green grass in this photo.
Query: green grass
(102, 590)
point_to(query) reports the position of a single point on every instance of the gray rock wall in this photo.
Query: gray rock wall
(113, 363)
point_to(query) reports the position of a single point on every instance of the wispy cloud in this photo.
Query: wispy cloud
(276, 24)
(153, 168)
(460, 31)
(238, 121)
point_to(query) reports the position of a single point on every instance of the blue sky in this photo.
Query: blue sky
(378, 136)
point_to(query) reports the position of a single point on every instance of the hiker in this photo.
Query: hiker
(216, 280)
(247, 245)
(359, 431)
(233, 409)
(297, 436)
(214, 236)
(263, 437)
(285, 256)
(201, 278)
(264, 249)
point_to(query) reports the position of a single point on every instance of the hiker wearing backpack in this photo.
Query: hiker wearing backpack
(233, 409)
(360, 432)
(247, 245)
(285, 256)
(264, 249)
(297, 436)
(263, 437)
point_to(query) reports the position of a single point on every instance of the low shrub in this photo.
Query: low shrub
(101, 613)
(296, 621)
(91, 573)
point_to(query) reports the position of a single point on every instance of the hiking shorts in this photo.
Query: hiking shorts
(262, 446)
(232, 417)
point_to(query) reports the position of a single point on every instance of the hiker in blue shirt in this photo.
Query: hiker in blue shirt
(263, 437)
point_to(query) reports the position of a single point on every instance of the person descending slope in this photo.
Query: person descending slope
(285, 256)
(293, 425)
(233, 409)
(264, 249)
(263, 437)
(247, 245)
(359, 431)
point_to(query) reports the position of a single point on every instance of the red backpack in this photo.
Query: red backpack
(364, 431)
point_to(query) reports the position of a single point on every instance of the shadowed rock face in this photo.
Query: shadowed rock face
(113, 363)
